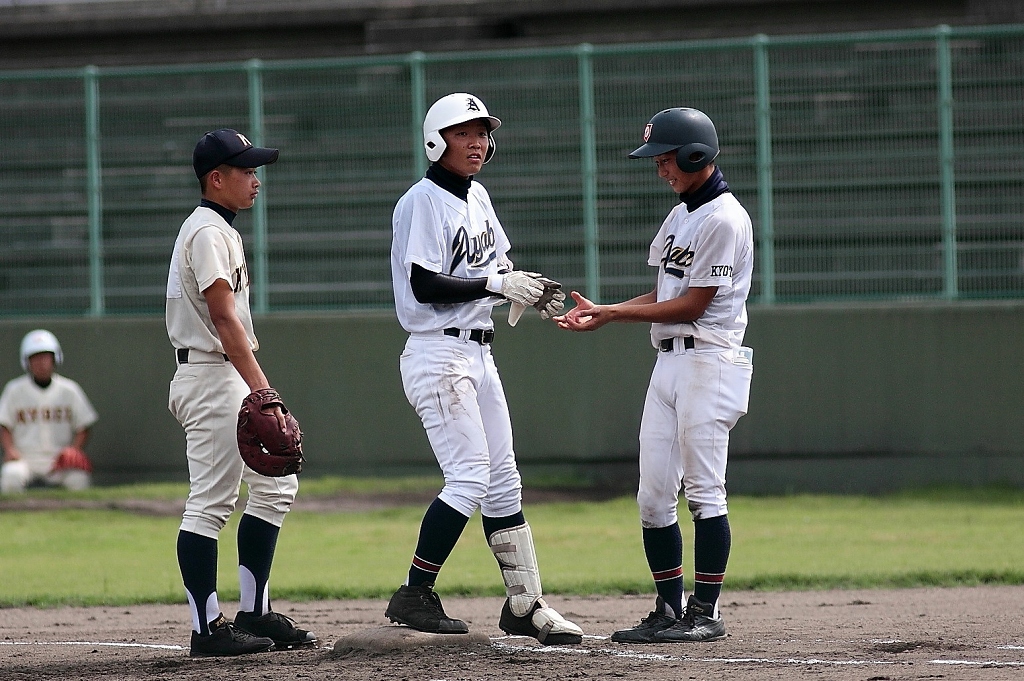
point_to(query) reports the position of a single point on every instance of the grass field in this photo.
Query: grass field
(936, 537)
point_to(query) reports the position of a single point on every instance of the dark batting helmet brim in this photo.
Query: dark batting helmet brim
(652, 149)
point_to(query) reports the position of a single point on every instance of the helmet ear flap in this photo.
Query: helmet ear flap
(434, 145)
(490, 148)
(692, 158)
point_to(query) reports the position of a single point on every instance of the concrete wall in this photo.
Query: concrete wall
(845, 398)
(65, 33)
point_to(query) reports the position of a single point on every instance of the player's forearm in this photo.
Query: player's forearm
(644, 299)
(11, 452)
(233, 338)
(81, 437)
(434, 288)
(236, 346)
(686, 308)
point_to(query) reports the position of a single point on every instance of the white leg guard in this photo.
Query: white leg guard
(528, 613)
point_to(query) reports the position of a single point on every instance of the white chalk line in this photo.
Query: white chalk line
(978, 663)
(499, 642)
(156, 646)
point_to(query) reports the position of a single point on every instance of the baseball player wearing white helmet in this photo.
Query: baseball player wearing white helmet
(44, 422)
(701, 379)
(450, 266)
(210, 326)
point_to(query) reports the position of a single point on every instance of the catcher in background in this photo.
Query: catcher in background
(701, 380)
(449, 268)
(44, 422)
(210, 327)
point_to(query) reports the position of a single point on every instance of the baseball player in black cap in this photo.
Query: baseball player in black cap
(210, 326)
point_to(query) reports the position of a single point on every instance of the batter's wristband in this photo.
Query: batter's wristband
(494, 282)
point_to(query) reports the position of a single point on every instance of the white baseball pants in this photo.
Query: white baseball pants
(205, 398)
(693, 401)
(454, 386)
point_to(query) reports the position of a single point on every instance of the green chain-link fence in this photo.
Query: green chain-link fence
(881, 165)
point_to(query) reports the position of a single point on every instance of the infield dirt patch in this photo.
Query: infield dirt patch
(864, 635)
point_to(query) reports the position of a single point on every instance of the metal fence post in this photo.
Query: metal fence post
(944, 69)
(764, 169)
(94, 190)
(588, 154)
(261, 278)
(418, 87)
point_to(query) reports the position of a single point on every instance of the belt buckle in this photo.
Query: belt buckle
(487, 336)
(667, 344)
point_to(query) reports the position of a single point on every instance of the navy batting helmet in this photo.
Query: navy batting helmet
(688, 130)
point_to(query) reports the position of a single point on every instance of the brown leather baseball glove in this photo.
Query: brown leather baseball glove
(264, 447)
(71, 457)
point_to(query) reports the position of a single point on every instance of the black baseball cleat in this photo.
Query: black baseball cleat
(277, 627)
(420, 608)
(696, 624)
(555, 631)
(645, 631)
(227, 640)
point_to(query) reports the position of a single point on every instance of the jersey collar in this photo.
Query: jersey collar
(712, 188)
(218, 209)
(449, 181)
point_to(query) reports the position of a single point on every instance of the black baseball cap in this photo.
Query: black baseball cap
(229, 147)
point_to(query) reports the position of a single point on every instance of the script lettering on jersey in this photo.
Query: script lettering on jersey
(676, 260)
(477, 251)
(44, 414)
(240, 278)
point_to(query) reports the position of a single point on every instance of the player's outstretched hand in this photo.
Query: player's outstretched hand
(584, 317)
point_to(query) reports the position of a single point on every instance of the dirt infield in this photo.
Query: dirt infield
(965, 633)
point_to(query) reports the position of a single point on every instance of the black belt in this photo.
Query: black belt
(183, 356)
(481, 336)
(669, 344)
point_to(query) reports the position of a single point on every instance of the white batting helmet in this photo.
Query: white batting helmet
(450, 110)
(38, 341)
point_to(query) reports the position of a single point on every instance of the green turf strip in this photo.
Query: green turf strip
(939, 537)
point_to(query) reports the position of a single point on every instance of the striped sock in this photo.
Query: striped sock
(441, 528)
(712, 541)
(664, 549)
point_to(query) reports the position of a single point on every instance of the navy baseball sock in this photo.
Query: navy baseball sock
(664, 549)
(492, 525)
(441, 527)
(712, 540)
(197, 560)
(257, 541)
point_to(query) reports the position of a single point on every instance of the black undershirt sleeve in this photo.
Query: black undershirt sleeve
(436, 288)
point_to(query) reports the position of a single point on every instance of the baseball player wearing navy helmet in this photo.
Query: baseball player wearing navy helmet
(450, 267)
(210, 326)
(701, 380)
(45, 420)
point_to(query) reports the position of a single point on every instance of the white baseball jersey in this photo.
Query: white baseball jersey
(467, 424)
(44, 421)
(207, 249)
(442, 233)
(712, 246)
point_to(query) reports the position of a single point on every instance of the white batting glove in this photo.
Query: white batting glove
(518, 287)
